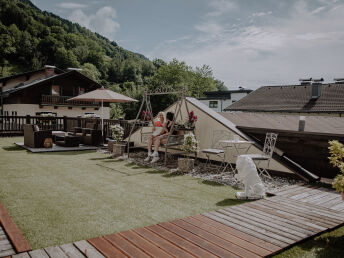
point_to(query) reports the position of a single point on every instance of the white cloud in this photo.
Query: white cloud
(304, 43)
(103, 21)
(220, 7)
(69, 5)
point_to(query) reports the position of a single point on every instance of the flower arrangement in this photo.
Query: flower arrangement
(337, 160)
(190, 143)
(192, 119)
(145, 116)
(117, 132)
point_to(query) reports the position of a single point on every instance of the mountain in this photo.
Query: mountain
(31, 38)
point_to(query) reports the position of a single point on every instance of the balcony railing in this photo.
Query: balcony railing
(62, 101)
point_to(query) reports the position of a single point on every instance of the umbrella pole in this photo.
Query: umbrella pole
(102, 123)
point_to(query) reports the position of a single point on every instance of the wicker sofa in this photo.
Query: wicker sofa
(35, 138)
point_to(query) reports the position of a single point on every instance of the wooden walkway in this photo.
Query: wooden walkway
(5, 245)
(254, 229)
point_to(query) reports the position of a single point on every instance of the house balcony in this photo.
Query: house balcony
(49, 100)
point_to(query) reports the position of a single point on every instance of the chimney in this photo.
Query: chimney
(316, 88)
(305, 81)
(338, 80)
(49, 70)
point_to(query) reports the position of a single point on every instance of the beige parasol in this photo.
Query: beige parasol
(103, 95)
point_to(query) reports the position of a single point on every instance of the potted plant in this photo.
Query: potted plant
(118, 146)
(189, 145)
(337, 160)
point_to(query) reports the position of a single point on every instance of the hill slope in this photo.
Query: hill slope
(31, 38)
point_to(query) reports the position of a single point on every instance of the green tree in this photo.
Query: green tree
(90, 71)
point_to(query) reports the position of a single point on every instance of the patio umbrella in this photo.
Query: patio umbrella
(103, 95)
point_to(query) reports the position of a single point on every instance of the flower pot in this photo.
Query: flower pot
(186, 165)
(110, 145)
(118, 149)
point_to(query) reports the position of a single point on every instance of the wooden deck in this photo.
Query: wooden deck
(254, 229)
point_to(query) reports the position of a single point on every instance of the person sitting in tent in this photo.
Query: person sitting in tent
(162, 138)
(157, 131)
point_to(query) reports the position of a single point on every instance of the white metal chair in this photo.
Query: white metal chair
(216, 148)
(268, 149)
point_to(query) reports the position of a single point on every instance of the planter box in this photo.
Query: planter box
(186, 165)
(118, 149)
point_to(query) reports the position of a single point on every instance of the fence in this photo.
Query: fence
(13, 125)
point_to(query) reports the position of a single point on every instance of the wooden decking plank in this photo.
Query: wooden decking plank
(286, 189)
(299, 190)
(307, 208)
(17, 239)
(237, 233)
(71, 251)
(300, 213)
(316, 208)
(5, 246)
(87, 249)
(261, 234)
(326, 199)
(197, 240)
(21, 255)
(55, 252)
(7, 253)
(292, 220)
(105, 247)
(338, 207)
(39, 253)
(332, 203)
(125, 246)
(177, 240)
(228, 237)
(276, 220)
(144, 245)
(316, 197)
(228, 245)
(276, 233)
(162, 243)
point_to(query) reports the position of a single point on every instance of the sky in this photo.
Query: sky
(247, 43)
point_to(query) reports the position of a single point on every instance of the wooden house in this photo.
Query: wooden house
(46, 91)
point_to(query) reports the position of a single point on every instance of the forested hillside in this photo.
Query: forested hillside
(31, 38)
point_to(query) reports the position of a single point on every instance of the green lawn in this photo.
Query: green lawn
(57, 198)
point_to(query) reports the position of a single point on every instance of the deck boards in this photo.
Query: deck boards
(254, 229)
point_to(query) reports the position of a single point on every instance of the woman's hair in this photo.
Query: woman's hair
(170, 116)
(161, 113)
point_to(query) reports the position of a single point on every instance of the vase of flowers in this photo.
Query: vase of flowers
(145, 117)
(337, 160)
(118, 147)
(189, 146)
(192, 119)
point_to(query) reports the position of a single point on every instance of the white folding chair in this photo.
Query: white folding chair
(268, 150)
(216, 147)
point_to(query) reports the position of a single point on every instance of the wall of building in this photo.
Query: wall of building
(223, 103)
(31, 109)
(205, 127)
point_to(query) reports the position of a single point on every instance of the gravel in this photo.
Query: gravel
(213, 173)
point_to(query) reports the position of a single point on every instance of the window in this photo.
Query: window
(213, 104)
(6, 113)
(14, 113)
(80, 90)
(55, 90)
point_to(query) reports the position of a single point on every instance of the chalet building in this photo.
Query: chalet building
(47, 91)
(218, 100)
(311, 97)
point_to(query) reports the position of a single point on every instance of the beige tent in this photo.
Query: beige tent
(103, 95)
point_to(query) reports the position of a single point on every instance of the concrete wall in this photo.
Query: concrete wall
(205, 127)
(31, 109)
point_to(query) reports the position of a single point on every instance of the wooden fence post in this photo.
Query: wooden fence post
(65, 123)
(28, 119)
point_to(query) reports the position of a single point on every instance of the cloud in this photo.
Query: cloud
(220, 7)
(68, 5)
(103, 21)
(306, 41)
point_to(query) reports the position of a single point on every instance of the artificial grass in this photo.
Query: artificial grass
(62, 197)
